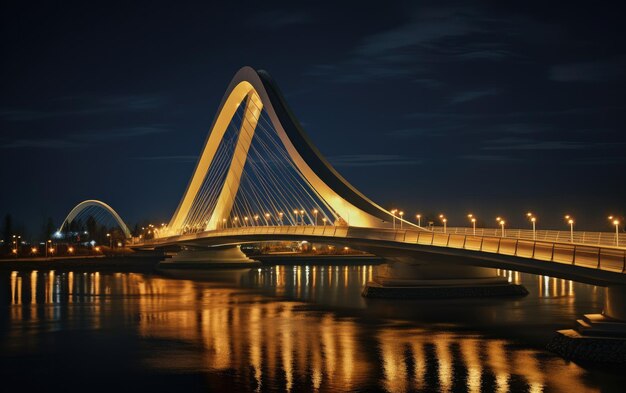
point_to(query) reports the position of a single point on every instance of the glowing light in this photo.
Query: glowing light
(70, 249)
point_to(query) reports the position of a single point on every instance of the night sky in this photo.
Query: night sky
(491, 108)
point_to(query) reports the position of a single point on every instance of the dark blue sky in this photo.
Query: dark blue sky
(429, 106)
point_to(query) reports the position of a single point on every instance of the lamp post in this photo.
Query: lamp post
(224, 223)
(401, 214)
(280, 218)
(533, 221)
(315, 214)
(616, 223)
(48, 244)
(16, 244)
(110, 241)
(235, 221)
(445, 225)
(501, 222)
(473, 221)
(295, 214)
(302, 217)
(393, 213)
(324, 220)
(570, 221)
(245, 221)
(419, 219)
(267, 219)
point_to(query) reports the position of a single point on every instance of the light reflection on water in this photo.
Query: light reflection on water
(320, 334)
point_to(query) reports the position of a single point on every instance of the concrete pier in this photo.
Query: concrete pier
(209, 257)
(411, 280)
(597, 338)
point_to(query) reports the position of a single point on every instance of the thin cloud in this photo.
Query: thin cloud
(121, 133)
(367, 160)
(472, 95)
(175, 158)
(42, 144)
(513, 143)
(593, 71)
(487, 157)
(277, 19)
(85, 139)
(73, 106)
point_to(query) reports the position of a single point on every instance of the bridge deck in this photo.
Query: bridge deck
(607, 259)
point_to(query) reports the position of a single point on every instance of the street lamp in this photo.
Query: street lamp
(616, 223)
(473, 221)
(110, 240)
(419, 219)
(302, 216)
(534, 221)
(445, 224)
(16, 243)
(393, 213)
(570, 221)
(315, 213)
(324, 220)
(280, 218)
(501, 222)
(224, 223)
(267, 219)
(48, 243)
(295, 213)
(401, 214)
(235, 221)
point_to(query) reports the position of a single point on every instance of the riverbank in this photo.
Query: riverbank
(91, 262)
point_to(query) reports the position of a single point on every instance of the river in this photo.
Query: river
(282, 328)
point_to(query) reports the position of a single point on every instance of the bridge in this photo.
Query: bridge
(259, 178)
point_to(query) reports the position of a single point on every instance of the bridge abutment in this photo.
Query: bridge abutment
(403, 278)
(597, 338)
(199, 257)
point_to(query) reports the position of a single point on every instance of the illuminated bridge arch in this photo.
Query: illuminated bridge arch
(258, 92)
(91, 203)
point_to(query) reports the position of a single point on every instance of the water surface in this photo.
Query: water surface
(282, 328)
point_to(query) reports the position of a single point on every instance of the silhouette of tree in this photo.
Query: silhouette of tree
(8, 228)
(48, 229)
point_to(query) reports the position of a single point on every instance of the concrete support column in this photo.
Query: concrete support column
(225, 256)
(406, 278)
(615, 302)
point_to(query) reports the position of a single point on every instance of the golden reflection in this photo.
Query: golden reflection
(279, 345)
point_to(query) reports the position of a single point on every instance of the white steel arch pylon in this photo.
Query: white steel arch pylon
(93, 202)
(257, 86)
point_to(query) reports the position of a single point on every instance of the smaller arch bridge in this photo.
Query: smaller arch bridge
(82, 206)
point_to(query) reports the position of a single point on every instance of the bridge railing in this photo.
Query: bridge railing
(580, 237)
(610, 259)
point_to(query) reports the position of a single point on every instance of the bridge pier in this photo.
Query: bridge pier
(207, 257)
(408, 279)
(597, 338)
